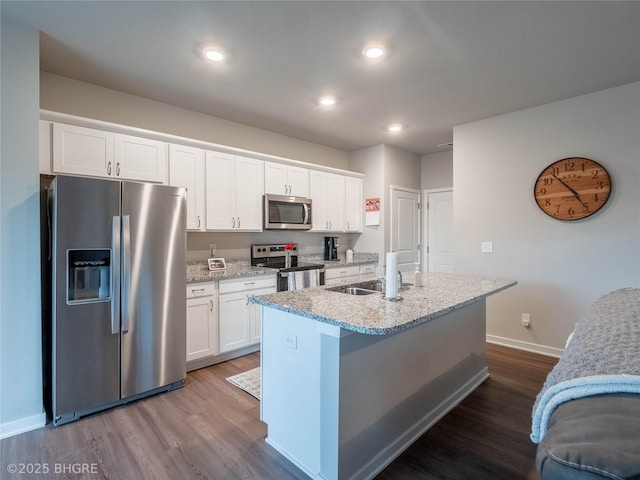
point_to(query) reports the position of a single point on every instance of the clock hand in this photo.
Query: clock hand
(575, 194)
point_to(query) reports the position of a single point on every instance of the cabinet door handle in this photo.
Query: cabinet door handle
(234, 222)
(347, 225)
(109, 168)
(198, 221)
(238, 222)
(211, 305)
(285, 189)
(118, 169)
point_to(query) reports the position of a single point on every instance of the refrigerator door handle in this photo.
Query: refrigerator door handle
(115, 275)
(126, 271)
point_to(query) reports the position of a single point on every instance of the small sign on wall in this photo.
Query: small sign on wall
(372, 211)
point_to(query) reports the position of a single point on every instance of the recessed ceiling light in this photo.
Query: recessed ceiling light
(373, 51)
(394, 128)
(214, 54)
(327, 101)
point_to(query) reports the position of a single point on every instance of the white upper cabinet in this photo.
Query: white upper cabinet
(186, 169)
(220, 178)
(82, 151)
(282, 179)
(327, 192)
(141, 159)
(234, 189)
(249, 192)
(97, 153)
(337, 202)
(354, 203)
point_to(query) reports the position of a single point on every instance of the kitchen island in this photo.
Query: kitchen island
(350, 381)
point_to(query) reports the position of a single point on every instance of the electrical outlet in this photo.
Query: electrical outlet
(212, 250)
(486, 247)
(526, 320)
(291, 341)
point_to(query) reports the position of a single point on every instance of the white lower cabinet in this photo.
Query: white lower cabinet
(368, 272)
(346, 274)
(202, 320)
(239, 319)
(341, 275)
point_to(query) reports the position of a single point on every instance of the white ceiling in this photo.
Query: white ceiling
(450, 62)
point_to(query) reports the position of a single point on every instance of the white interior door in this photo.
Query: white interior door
(405, 227)
(439, 231)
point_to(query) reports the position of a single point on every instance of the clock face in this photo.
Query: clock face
(572, 188)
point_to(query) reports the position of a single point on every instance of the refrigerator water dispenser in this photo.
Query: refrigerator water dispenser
(89, 273)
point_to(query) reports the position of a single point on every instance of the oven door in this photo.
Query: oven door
(295, 280)
(282, 212)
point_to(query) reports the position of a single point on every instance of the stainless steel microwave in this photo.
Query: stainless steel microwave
(284, 212)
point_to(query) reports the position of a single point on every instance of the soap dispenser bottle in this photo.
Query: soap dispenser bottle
(418, 275)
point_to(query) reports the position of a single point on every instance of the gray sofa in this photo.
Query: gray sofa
(586, 418)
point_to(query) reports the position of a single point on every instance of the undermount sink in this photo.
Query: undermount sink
(361, 288)
(365, 288)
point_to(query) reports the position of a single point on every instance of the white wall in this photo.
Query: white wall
(437, 170)
(370, 161)
(66, 95)
(561, 267)
(20, 339)
(383, 165)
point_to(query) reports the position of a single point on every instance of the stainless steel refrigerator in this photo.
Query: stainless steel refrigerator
(118, 283)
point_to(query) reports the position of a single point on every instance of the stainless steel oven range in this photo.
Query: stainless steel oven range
(292, 274)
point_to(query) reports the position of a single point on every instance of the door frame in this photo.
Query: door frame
(425, 223)
(393, 188)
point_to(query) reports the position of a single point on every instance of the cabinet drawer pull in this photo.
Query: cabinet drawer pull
(197, 291)
(249, 283)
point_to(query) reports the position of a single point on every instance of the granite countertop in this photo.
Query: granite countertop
(241, 267)
(199, 271)
(440, 294)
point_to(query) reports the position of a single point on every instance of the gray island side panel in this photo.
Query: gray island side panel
(342, 405)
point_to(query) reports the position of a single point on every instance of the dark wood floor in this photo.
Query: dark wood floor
(211, 430)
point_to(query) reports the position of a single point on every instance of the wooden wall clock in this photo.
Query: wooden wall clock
(572, 188)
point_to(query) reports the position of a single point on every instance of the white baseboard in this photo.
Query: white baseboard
(22, 425)
(529, 347)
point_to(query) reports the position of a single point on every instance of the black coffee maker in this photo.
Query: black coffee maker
(331, 248)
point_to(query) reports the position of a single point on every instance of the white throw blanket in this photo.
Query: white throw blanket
(602, 357)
